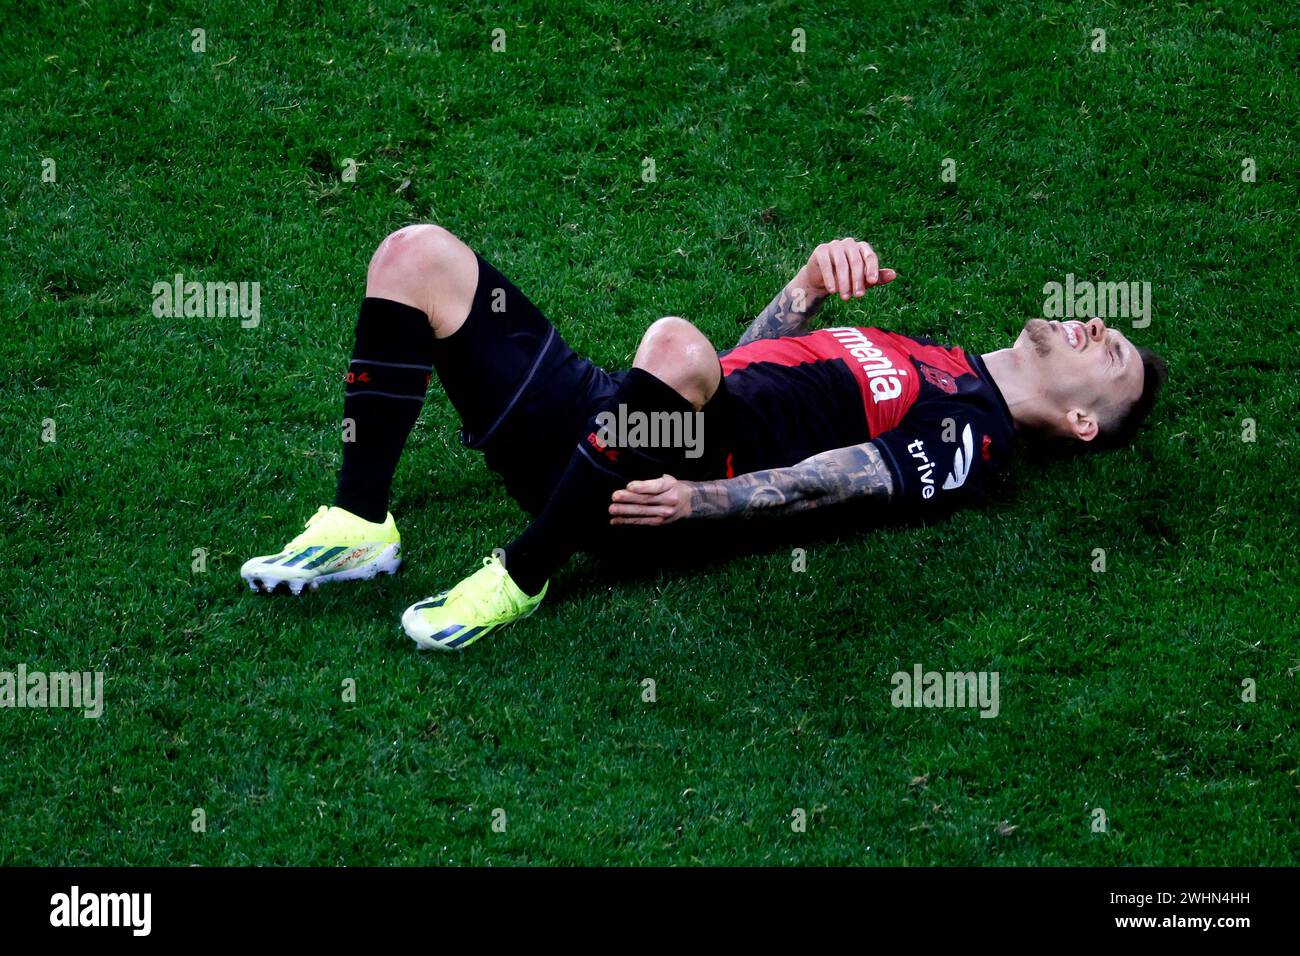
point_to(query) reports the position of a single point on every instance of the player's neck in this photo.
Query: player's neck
(1020, 389)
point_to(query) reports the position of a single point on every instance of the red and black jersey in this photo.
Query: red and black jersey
(934, 412)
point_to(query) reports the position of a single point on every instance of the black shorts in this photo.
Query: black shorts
(523, 395)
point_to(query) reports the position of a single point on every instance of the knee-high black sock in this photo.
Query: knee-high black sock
(386, 382)
(579, 506)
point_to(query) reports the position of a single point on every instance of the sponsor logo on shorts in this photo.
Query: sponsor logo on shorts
(598, 443)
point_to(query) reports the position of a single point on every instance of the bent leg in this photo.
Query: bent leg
(681, 356)
(415, 290)
(433, 305)
(676, 371)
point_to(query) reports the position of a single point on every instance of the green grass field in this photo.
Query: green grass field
(1120, 691)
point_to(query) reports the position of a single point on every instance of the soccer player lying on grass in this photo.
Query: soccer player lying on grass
(792, 420)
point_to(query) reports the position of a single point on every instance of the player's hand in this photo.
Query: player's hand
(845, 267)
(653, 502)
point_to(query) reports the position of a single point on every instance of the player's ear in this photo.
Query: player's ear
(1082, 425)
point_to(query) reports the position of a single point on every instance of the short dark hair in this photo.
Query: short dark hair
(1120, 430)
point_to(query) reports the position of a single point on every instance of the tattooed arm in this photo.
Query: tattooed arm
(846, 266)
(787, 314)
(828, 478)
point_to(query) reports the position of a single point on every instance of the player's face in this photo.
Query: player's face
(1083, 366)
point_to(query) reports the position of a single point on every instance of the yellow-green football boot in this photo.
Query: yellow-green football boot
(477, 606)
(336, 546)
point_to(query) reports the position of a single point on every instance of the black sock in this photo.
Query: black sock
(386, 382)
(579, 506)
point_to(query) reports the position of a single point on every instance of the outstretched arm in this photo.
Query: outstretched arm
(845, 267)
(828, 478)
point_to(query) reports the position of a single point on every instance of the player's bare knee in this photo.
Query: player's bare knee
(679, 354)
(411, 251)
(420, 265)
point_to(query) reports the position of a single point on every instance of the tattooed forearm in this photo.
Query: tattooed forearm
(826, 479)
(787, 314)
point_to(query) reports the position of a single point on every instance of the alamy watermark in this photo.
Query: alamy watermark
(74, 908)
(77, 690)
(922, 688)
(179, 299)
(1075, 299)
(623, 428)
(1106, 300)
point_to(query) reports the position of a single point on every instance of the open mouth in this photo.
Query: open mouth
(1074, 336)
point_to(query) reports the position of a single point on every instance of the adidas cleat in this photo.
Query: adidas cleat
(336, 546)
(477, 606)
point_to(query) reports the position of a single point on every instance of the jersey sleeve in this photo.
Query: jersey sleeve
(941, 455)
